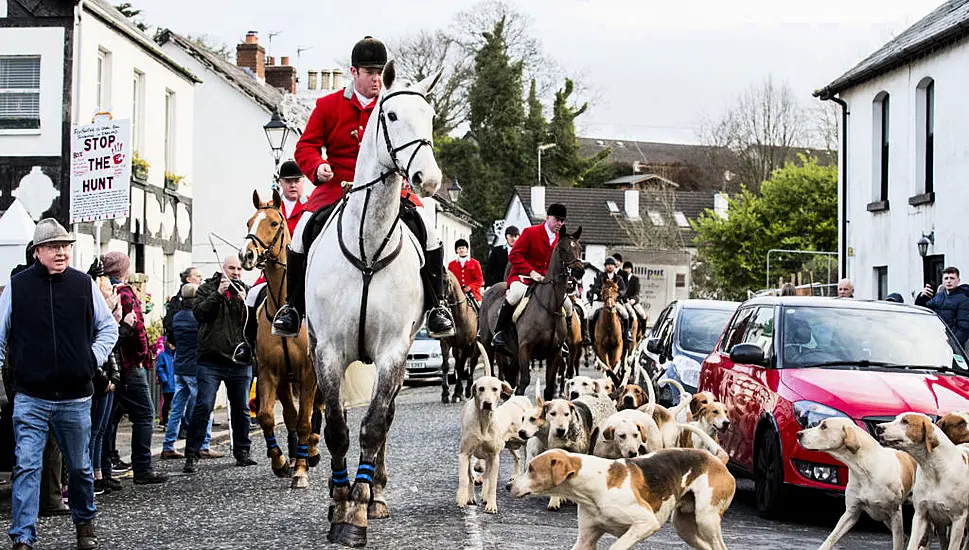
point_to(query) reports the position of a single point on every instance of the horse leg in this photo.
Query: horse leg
(445, 370)
(552, 365)
(523, 376)
(336, 434)
(316, 425)
(460, 374)
(266, 385)
(379, 510)
(304, 429)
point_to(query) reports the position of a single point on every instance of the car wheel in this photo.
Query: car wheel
(769, 489)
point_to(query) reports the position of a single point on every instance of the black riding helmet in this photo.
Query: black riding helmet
(610, 261)
(289, 169)
(369, 53)
(459, 243)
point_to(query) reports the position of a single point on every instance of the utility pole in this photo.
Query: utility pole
(541, 148)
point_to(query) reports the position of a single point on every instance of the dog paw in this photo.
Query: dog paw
(554, 503)
(479, 480)
(491, 508)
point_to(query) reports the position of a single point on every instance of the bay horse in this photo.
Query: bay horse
(462, 345)
(281, 363)
(540, 331)
(608, 336)
(364, 296)
(573, 341)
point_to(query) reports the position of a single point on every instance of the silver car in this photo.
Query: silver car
(424, 358)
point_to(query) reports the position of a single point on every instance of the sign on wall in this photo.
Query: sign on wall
(101, 171)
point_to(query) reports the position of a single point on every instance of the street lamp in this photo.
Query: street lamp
(924, 243)
(276, 132)
(454, 191)
(542, 147)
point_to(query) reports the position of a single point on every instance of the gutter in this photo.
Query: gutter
(826, 94)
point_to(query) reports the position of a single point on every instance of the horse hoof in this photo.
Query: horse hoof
(348, 534)
(313, 460)
(456, 399)
(378, 510)
(283, 472)
(329, 515)
(300, 482)
(444, 399)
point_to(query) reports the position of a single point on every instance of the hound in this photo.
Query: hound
(484, 428)
(955, 427)
(632, 499)
(940, 494)
(578, 386)
(627, 434)
(712, 419)
(879, 479)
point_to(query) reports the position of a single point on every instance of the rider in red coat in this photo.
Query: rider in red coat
(337, 125)
(529, 259)
(467, 270)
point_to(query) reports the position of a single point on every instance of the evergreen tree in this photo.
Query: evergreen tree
(566, 166)
(536, 130)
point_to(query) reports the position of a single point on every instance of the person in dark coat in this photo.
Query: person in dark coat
(595, 296)
(497, 262)
(190, 275)
(951, 303)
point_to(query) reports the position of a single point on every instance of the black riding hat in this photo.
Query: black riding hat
(512, 230)
(557, 209)
(370, 53)
(627, 264)
(610, 261)
(289, 169)
(459, 243)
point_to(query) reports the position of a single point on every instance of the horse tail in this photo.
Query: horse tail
(489, 369)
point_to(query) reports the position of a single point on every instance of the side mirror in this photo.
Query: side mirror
(747, 354)
(653, 346)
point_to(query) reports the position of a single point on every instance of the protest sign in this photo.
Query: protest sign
(101, 171)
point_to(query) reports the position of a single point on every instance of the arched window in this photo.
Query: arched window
(880, 142)
(925, 135)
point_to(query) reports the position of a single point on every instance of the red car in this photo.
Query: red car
(783, 364)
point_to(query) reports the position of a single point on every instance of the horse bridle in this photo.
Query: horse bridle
(263, 256)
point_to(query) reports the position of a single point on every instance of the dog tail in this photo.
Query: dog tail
(674, 383)
(488, 368)
(706, 442)
(650, 390)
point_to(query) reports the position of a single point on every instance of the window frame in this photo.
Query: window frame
(102, 91)
(137, 110)
(725, 345)
(768, 353)
(171, 102)
(27, 123)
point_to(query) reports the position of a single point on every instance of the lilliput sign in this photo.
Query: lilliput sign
(100, 171)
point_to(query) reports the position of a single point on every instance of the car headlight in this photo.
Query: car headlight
(687, 369)
(436, 354)
(809, 414)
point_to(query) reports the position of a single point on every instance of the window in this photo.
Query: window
(103, 96)
(681, 220)
(881, 132)
(881, 282)
(169, 131)
(925, 135)
(761, 330)
(656, 218)
(613, 207)
(137, 110)
(19, 92)
(736, 331)
(680, 280)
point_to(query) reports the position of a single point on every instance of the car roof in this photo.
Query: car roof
(839, 303)
(708, 304)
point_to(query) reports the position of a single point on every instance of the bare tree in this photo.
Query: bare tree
(656, 228)
(826, 115)
(765, 129)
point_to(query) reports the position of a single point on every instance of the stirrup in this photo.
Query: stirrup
(448, 330)
(284, 316)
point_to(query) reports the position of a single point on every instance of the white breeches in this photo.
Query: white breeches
(623, 312)
(515, 292)
(297, 241)
(567, 306)
(578, 305)
(253, 294)
(639, 309)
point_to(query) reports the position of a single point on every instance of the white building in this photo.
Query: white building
(904, 160)
(232, 155)
(449, 221)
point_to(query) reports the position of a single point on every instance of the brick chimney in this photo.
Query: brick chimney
(282, 76)
(251, 55)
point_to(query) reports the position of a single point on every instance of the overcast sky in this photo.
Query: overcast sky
(658, 67)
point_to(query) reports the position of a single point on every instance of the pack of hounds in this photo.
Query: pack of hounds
(629, 463)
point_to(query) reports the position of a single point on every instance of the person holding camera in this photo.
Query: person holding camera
(223, 357)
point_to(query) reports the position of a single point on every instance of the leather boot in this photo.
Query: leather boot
(87, 539)
(504, 319)
(627, 331)
(289, 318)
(252, 326)
(439, 322)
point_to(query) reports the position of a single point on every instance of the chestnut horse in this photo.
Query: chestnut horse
(608, 328)
(281, 362)
(463, 344)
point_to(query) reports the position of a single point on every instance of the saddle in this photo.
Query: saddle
(408, 215)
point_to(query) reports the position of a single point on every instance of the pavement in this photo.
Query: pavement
(227, 507)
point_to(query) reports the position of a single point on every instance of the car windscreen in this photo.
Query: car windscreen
(843, 337)
(699, 329)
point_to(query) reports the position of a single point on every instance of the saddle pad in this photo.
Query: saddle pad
(521, 307)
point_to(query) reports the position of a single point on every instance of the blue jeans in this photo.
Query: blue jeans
(237, 380)
(183, 405)
(71, 424)
(134, 395)
(100, 418)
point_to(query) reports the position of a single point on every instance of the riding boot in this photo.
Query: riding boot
(504, 319)
(439, 321)
(584, 323)
(627, 332)
(289, 317)
(252, 326)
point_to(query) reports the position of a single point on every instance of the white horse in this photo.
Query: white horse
(365, 238)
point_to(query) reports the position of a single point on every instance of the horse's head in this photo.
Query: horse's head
(407, 128)
(610, 294)
(268, 233)
(569, 250)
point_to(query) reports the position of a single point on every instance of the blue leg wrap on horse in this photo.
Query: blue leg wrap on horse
(271, 442)
(365, 472)
(303, 451)
(340, 477)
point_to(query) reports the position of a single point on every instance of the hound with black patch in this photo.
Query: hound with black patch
(632, 499)
(941, 491)
(879, 480)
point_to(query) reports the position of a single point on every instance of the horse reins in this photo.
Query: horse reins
(370, 267)
(263, 256)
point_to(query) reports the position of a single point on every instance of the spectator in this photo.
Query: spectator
(164, 369)
(49, 307)
(186, 330)
(133, 392)
(951, 303)
(495, 266)
(106, 379)
(220, 310)
(190, 275)
(895, 297)
(789, 290)
(846, 289)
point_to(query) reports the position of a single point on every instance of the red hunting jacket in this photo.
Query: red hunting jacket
(469, 275)
(532, 251)
(337, 124)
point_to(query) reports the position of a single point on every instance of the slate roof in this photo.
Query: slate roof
(587, 207)
(645, 151)
(946, 24)
(114, 18)
(265, 95)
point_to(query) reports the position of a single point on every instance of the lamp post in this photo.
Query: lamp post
(542, 147)
(924, 242)
(454, 191)
(276, 132)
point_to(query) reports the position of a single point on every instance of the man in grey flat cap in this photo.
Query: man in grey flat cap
(59, 330)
